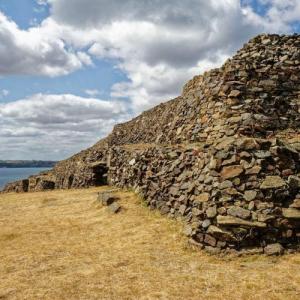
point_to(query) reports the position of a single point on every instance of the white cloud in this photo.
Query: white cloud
(158, 45)
(92, 93)
(279, 15)
(35, 51)
(41, 2)
(161, 44)
(4, 93)
(55, 126)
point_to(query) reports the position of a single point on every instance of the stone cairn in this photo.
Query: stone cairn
(224, 156)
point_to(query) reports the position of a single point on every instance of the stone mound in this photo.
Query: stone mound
(225, 155)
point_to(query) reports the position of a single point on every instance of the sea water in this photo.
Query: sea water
(13, 174)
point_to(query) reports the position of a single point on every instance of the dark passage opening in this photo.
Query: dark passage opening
(70, 181)
(100, 174)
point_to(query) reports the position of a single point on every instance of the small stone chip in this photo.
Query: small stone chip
(234, 93)
(250, 195)
(233, 221)
(211, 212)
(204, 197)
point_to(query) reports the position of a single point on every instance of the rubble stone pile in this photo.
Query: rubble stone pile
(224, 155)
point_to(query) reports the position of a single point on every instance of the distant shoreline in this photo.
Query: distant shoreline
(8, 164)
(26, 167)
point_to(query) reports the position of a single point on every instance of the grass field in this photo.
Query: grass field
(64, 245)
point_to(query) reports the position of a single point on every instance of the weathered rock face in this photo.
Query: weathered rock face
(224, 155)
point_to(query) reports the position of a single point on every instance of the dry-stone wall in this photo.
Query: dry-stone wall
(255, 93)
(19, 186)
(234, 194)
(85, 169)
(224, 155)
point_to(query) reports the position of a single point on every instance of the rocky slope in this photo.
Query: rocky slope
(224, 155)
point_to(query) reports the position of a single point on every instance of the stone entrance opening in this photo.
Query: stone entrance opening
(100, 174)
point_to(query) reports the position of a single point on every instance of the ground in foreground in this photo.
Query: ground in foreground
(64, 245)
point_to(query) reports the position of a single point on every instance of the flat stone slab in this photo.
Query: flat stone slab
(272, 182)
(291, 213)
(233, 221)
(231, 172)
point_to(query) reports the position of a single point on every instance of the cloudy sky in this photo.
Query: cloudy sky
(71, 69)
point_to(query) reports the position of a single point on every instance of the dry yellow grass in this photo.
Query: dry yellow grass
(63, 245)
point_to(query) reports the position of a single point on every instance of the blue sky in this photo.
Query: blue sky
(264, 7)
(24, 12)
(102, 62)
(100, 76)
(259, 7)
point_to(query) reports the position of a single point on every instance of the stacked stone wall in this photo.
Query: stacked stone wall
(235, 194)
